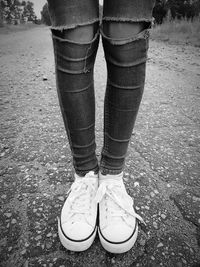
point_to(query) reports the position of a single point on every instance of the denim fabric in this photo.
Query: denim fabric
(67, 14)
(128, 10)
(75, 85)
(74, 61)
(126, 64)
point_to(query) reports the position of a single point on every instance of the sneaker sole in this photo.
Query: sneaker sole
(72, 245)
(118, 247)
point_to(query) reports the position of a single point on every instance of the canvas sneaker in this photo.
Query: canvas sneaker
(77, 223)
(118, 225)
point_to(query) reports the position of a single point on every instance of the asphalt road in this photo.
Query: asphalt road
(162, 169)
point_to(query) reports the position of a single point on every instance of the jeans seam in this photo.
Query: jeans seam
(85, 70)
(105, 147)
(61, 105)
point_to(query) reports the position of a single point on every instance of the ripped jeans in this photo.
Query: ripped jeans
(125, 54)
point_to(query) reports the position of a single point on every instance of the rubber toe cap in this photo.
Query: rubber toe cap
(118, 233)
(77, 231)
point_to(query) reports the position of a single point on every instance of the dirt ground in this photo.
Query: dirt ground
(162, 169)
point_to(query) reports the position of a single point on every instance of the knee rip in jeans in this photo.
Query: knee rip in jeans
(121, 31)
(74, 54)
(126, 53)
(79, 33)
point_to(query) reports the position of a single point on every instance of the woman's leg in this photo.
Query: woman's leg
(75, 33)
(75, 27)
(125, 40)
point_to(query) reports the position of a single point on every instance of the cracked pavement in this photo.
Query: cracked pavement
(162, 169)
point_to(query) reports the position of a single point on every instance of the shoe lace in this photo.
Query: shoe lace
(119, 203)
(80, 197)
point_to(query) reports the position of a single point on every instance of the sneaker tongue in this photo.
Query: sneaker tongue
(90, 175)
(117, 219)
(110, 183)
(111, 176)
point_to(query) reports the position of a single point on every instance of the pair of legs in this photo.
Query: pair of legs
(75, 27)
(75, 32)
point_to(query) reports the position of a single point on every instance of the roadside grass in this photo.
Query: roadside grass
(178, 32)
(6, 29)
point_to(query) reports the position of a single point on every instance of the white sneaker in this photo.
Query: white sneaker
(118, 226)
(77, 223)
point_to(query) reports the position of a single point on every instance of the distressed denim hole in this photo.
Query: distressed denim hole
(79, 34)
(123, 29)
